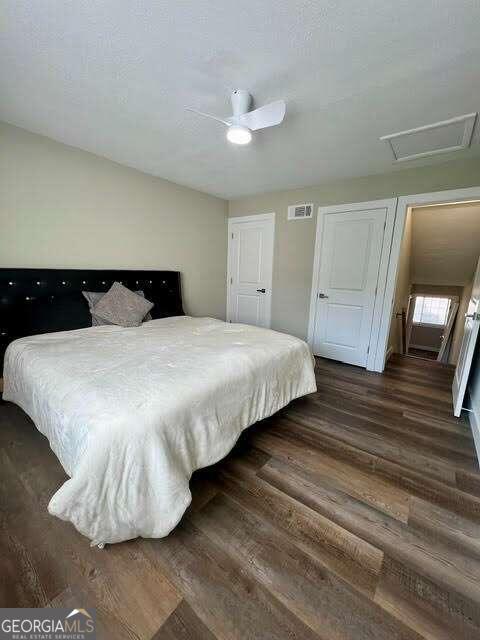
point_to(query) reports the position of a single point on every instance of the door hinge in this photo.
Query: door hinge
(232, 236)
(368, 350)
(231, 280)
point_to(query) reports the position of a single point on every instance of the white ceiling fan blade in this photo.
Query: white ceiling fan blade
(267, 116)
(208, 115)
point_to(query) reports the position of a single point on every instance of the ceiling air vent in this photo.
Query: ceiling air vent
(440, 137)
(300, 211)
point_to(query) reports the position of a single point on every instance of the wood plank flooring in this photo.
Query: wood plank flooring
(422, 353)
(352, 514)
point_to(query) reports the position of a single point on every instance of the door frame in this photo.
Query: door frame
(450, 196)
(260, 217)
(390, 205)
(461, 390)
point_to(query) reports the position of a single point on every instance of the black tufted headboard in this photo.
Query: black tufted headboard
(19, 287)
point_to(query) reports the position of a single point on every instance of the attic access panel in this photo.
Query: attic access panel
(440, 137)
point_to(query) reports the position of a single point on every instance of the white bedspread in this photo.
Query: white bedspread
(132, 412)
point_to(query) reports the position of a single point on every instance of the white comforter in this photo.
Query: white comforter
(132, 412)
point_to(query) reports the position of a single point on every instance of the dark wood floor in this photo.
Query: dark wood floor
(421, 353)
(354, 513)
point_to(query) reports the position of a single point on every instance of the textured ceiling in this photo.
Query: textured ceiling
(114, 77)
(445, 244)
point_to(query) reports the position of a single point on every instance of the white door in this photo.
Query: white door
(250, 262)
(350, 253)
(409, 322)
(472, 323)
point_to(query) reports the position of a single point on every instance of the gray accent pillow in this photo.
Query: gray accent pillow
(122, 307)
(92, 297)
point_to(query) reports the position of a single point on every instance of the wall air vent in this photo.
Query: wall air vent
(440, 137)
(300, 211)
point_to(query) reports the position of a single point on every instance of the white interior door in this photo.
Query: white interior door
(350, 253)
(472, 323)
(250, 259)
(409, 322)
(452, 313)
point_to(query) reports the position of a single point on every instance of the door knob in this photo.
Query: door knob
(322, 295)
(261, 290)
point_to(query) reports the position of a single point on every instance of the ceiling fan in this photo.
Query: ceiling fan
(243, 122)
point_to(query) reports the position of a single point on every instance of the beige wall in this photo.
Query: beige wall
(436, 289)
(402, 289)
(62, 207)
(294, 240)
(446, 243)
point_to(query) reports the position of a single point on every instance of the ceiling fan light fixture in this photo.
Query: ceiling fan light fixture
(239, 135)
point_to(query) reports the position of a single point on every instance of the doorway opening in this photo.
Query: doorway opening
(430, 325)
(435, 314)
(438, 259)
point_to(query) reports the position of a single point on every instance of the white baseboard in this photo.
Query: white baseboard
(422, 347)
(474, 419)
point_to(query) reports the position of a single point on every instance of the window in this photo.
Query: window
(430, 310)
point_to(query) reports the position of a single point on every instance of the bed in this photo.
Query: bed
(132, 412)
